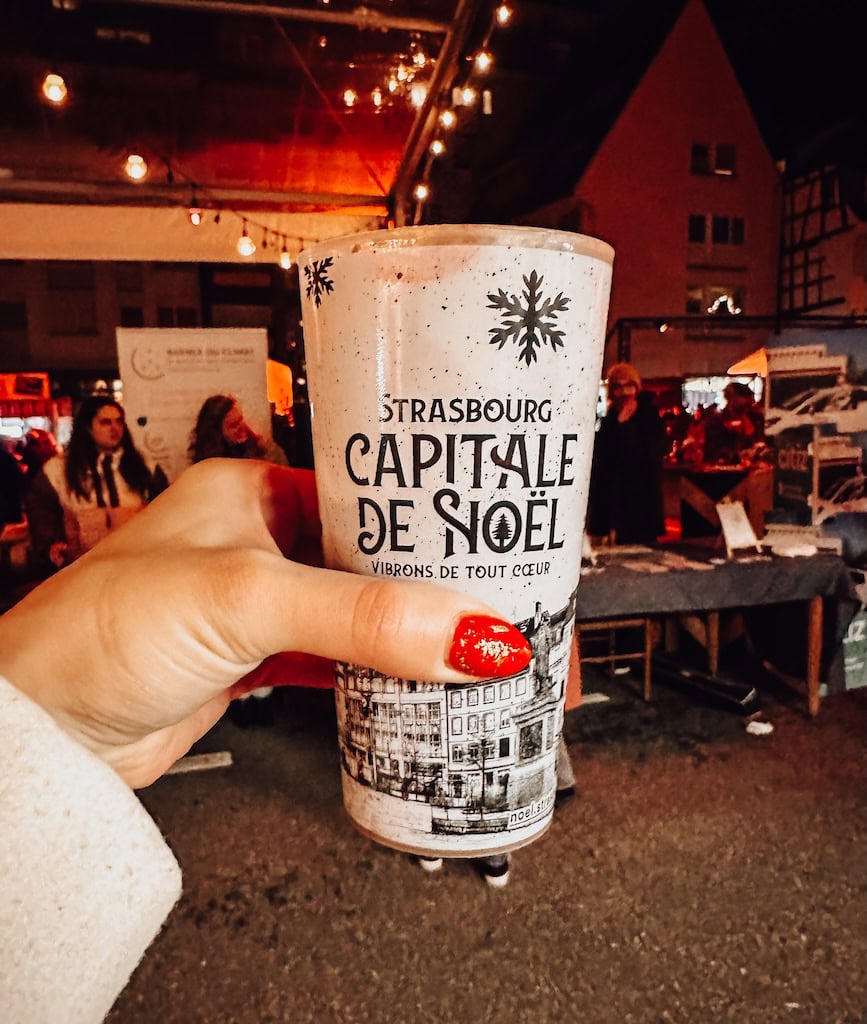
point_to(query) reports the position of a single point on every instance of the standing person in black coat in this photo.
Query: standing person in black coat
(626, 478)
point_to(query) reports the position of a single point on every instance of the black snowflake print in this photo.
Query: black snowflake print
(528, 322)
(318, 281)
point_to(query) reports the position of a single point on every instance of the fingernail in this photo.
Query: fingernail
(486, 647)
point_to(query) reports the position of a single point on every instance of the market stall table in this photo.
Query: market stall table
(661, 584)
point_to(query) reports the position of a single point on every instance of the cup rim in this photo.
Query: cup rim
(519, 236)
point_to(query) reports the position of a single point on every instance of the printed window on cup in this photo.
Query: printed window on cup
(488, 721)
(505, 719)
(505, 691)
(473, 751)
(472, 698)
(456, 699)
(457, 752)
(520, 687)
(457, 725)
(472, 723)
(505, 746)
(489, 695)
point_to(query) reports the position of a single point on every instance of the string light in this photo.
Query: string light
(421, 192)
(195, 216)
(729, 303)
(483, 61)
(54, 89)
(468, 96)
(417, 94)
(503, 14)
(448, 118)
(285, 258)
(246, 246)
(437, 147)
(136, 167)
(350, 97)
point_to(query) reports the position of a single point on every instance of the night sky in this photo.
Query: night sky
(801, 64)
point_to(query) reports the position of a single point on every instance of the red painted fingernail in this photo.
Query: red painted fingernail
(486, 647)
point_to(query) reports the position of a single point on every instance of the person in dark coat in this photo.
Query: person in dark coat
(626, 477)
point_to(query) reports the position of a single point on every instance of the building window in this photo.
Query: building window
(720, 231)
(694, 299)
(489, 695)
(457, 725)
(696, 227)
(737, 231)
(505, 746)
(13, 316)
(456, 699)
(700, 160)
(488, 722)
(724, 158)
(131, 316)
(520, 687)
(505, 691)
(505, 719)
(457, 753)
(472, 723)
(186, 316)
(70, 277)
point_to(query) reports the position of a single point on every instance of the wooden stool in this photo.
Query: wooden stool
(611, 626)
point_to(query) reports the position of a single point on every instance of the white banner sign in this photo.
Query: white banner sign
(168, 373)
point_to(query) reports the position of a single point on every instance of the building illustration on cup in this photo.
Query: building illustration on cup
(473, 760)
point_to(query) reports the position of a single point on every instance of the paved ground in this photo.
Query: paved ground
(701, 875)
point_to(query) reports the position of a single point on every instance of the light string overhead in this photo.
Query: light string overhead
(462, 95)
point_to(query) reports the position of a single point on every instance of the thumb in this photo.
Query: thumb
(401, 628)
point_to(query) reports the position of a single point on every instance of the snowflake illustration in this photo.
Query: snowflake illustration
(318, 281)
(530, 324)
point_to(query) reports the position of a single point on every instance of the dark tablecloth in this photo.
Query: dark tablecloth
(617, 591)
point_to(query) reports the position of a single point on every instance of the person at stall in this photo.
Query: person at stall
(102, 480)
(39, 446)
(112, 668)
(625, 505)
(734, 429)
(222, 431)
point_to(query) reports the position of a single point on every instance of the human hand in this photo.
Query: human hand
(135, 647)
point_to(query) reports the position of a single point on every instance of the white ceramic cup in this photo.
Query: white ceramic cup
(453, 375)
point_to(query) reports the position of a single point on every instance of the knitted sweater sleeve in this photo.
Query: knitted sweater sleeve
(86, 879)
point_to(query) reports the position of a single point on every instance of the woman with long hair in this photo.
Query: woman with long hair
(101, 482)
(222, 432)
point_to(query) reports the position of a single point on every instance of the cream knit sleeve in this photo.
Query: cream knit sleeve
(86, 879)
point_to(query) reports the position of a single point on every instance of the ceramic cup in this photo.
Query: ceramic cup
(453, 374)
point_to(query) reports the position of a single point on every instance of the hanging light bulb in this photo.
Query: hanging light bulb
(437, 147)
(448, 119)
(350, 97)
(421, 192)
(54, 89)
(285, 258)
(246, 246)
(136, 167)
(417, 94)
(483, 61)
(468, 95)
(504, 14)
(195, 212)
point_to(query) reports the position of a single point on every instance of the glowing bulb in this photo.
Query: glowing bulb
(350, 97)
(504, 14)
(417, 94)
(136, 167)
(376, 96)
(246, 246)
(54, 89)
(402, 73)
(448, 119)
(483, 61)
(195, 216)
(421, 192)
(392, 85)
(285, 259)
(419, 58)
(468, 95)
(437, 147)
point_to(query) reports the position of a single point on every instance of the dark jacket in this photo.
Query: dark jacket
(626, 478)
